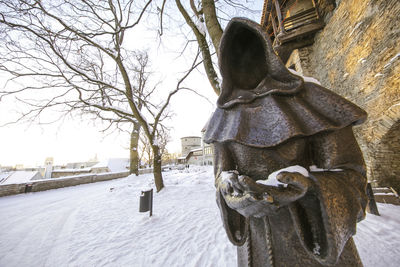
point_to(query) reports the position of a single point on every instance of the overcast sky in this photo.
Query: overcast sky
(79, 139)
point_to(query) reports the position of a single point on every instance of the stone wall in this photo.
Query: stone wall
(42, 185)
(12, 189)
(357, 55)
(387, 158)
(63, 173)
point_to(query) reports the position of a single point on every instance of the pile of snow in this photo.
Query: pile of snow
(118, 164)
(377, 237)
(272, 181)
(99, 225)
(113, 164)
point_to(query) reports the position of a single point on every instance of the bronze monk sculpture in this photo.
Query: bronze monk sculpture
(268, 119)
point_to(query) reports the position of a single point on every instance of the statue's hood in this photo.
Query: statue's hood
(249, 67)
(262, 104)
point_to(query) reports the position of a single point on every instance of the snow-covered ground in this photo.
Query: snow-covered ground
(18, 177)
(99, 225)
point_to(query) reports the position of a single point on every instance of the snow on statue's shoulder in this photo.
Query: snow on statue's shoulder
(272, 181)
(305, 78)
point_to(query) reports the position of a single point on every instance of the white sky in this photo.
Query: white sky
(79, 139)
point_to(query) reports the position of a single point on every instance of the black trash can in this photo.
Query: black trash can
(146, 201)
(28, 188)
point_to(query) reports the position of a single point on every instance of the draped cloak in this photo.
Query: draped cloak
(264, 114)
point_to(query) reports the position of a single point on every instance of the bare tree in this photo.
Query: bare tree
(143, 92)
(144, 98)
(145, 151)
(145, 154)
(170, 158)
(200, 34)
(71, 54)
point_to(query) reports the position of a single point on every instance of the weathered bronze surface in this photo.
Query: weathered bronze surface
(268, 119)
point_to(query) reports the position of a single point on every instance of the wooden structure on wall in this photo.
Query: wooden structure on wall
(290, 20)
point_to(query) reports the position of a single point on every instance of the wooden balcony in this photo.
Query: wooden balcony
(288, 20)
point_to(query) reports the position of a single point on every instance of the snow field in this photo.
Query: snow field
(99, 225)
(94, 225)
(378, 237)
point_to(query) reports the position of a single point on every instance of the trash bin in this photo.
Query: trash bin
(28, 188)
(146, 201)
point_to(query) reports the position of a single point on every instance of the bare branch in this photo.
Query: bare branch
(161, 31)
(201, 39)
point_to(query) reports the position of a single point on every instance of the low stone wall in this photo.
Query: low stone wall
(12, 189)
(42, 185)
(62, 173)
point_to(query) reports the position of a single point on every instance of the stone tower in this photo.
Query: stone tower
(48, 167)
(188, 143)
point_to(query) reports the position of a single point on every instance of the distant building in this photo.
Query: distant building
(208, 155)
(189, 143)
(208, 150)
(200, 156)
(195, 151)
(19, 166)
(181, 160)
(48, 163)
(78, 168)
(73, 168)
(81, 165)
(6, 168)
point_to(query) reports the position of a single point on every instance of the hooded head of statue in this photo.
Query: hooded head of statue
(262, 103)
(249, 66)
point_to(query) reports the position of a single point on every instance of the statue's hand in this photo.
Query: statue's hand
(237, 197)
(258, 200)
(297, 186)
(229, 184)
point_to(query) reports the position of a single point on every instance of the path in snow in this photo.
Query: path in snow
(91, 225)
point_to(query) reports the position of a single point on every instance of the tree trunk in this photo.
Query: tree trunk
(213, 27)
(158, 180)
(134, 156)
